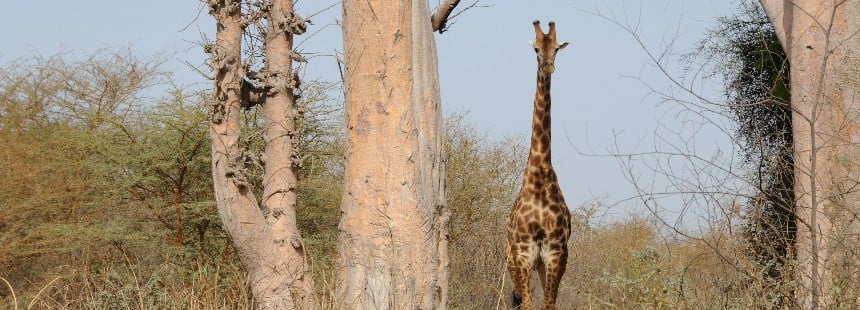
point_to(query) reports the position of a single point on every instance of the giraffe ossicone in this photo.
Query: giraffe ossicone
(539, 223)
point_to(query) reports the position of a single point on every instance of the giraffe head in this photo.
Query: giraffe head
(546, 46)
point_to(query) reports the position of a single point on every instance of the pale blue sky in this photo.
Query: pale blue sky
(486, 65)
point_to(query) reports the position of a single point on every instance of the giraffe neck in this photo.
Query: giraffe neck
(539, 155)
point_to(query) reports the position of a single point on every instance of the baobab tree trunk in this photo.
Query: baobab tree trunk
(393, 242)
(264, 235)
(823, 46)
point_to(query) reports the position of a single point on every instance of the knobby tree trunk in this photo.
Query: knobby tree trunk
(264, 234)
(393, 237)
(822, 42)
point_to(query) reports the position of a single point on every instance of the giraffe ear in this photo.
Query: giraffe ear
(562, 45)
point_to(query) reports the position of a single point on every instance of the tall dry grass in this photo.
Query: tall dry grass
(629, 263)
(98, 285)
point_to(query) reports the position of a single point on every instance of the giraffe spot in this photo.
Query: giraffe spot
(522, 230)
(540, 235)
(525, 208)
(533, 227)
(561, 221)
(547, 220)
(528, 217)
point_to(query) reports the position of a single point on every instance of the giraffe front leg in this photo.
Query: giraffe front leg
(555, 267)
(519, 268)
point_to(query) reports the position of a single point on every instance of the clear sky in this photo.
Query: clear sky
(487, 67)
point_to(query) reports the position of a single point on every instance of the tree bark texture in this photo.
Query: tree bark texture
(822, 42)
(264, 235)
(393, 239)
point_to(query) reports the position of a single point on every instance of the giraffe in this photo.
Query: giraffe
(539, 222)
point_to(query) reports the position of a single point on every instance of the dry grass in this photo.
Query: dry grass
(620, 265)
(626, 264)
(164, 287)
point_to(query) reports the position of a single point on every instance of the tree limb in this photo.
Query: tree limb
(441, 14)
(444, 13)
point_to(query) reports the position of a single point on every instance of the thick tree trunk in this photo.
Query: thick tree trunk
(820, 38)
(265, 236)
(393, 243)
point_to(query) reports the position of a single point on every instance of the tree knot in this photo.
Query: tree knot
(294, 24)
(296, 242)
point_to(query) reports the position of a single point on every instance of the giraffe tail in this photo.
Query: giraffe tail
(516, 300)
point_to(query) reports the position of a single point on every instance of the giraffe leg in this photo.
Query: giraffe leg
(519, 268)
(516, 296)
(524, 284)
(555, 267)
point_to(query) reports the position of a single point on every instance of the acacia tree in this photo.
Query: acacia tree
(393, 239)
(263, 230)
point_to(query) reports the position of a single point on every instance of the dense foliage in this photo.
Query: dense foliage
(756, 71)
(106, 193)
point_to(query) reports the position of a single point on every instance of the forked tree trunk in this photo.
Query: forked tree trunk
(822, 42)
(393, 243)
(264, 235)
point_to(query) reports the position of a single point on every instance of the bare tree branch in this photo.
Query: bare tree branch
(440, 15)
(443, 13)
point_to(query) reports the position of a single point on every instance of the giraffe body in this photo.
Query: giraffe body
(539, 222)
